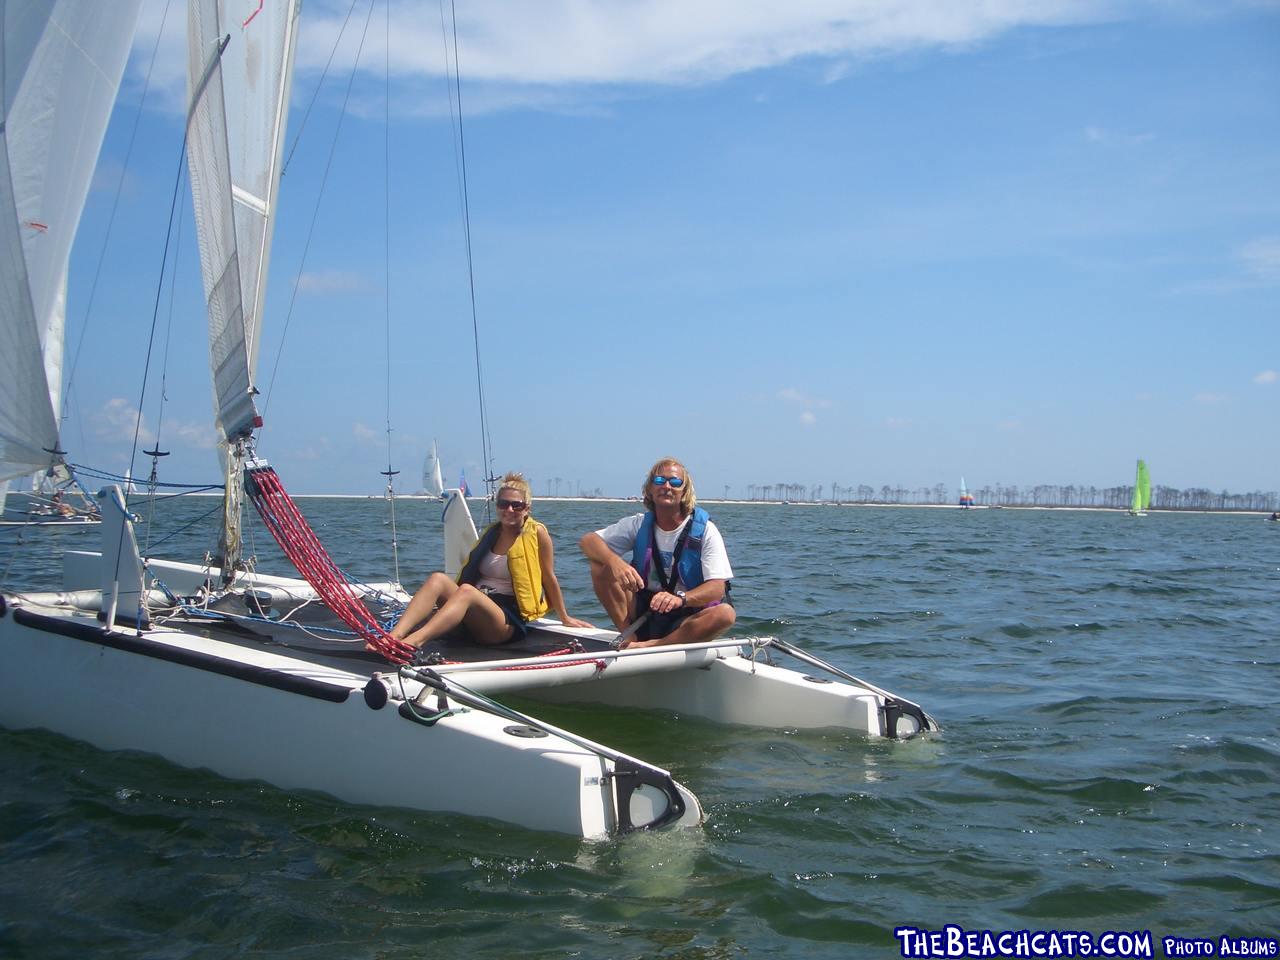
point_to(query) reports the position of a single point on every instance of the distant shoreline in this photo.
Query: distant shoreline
(756, 503)
(805, 503)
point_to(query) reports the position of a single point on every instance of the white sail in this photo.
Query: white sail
(240, 97)
(432, 481)
(60, 67)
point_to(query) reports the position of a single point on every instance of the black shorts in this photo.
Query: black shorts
(661, 624)
(511, 610)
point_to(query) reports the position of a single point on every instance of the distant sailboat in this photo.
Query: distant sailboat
(966, 498)
(432, 482)
(1141, 492)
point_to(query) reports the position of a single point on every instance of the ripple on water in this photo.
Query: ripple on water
(1080, 901)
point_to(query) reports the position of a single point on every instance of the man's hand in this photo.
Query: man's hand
(626, 575)
(664, 602)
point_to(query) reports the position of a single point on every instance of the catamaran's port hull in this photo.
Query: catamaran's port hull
(730, 689)
(201, 704)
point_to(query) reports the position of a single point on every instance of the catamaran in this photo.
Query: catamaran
(1141, 499)
(432, 481)
(295, 681)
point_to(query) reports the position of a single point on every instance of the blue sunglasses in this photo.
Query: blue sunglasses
(675, 482)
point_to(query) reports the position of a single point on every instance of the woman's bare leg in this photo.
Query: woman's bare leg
(484, 619)
(437, 589)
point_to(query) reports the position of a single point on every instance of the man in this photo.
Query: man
(679, 571)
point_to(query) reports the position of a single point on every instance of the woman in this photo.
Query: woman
(508, 580)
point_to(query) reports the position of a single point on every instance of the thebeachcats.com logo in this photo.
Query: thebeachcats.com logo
(915, 943)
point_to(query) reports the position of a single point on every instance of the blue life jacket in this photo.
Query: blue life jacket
(689, 560)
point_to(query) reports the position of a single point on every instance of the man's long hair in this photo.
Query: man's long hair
(688, 499)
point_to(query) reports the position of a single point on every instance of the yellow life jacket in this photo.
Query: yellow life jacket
(523, 564)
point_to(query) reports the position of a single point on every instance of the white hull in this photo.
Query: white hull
(52, 522)
(258, 716)
(248, 708)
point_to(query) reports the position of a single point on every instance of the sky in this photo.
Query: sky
(871, 241)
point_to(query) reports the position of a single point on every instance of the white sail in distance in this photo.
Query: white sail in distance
(60, 67)
(239, 102)
(432, 481)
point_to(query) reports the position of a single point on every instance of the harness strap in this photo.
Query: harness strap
(668, 583)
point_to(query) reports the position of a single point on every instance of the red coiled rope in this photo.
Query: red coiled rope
(308, 555)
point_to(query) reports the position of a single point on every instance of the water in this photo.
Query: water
(1110, 760)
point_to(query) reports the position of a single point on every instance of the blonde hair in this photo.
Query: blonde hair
(688, 500)
(516, 481)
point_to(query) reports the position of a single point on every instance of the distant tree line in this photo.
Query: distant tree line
(1041, 495)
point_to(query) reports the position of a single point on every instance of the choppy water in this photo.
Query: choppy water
(1110, 762)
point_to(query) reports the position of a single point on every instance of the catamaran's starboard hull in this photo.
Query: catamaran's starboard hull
(203, 704)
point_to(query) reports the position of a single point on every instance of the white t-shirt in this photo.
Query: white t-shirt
(494, 576)
(621, 538)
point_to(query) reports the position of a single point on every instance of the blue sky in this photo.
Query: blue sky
(883, 243)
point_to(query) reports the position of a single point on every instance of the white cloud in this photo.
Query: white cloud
(899, 423)
(201, 436)
(116, 421)
(1267, 376)
(1261, 259)
(1103, 135)
(514, 46)
(792, 395)
(365, 435)
(320, 448)
(1208, 398)
(330, 281)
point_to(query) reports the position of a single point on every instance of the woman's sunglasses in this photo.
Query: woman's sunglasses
(674, 482)
(516, 505)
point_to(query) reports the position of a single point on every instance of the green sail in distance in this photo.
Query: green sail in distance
(1141, 490)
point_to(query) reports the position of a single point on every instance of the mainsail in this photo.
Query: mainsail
(432, 481)
(1141, 498)
(240, 59)
(60, 68)
(240, 65)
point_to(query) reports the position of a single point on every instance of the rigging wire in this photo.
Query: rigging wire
(486, 442)
(155, 452)
(302, 125)
(390, 472)
(151, 338)
(111, 218)
(315, 214)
